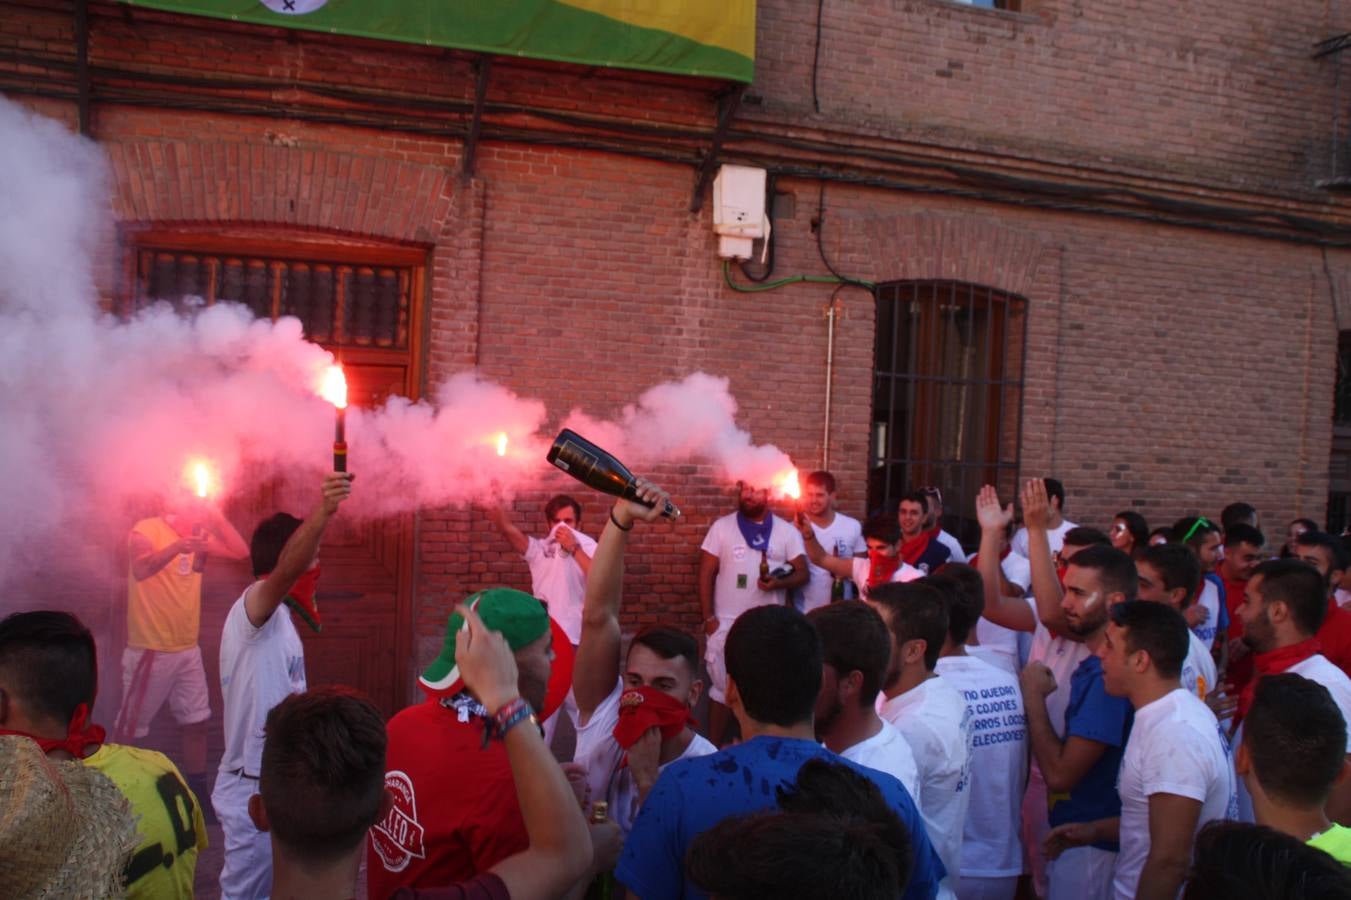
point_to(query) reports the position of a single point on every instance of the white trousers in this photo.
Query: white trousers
(1080, 873)
(247, 871)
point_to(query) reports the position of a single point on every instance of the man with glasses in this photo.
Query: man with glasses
(934, 518)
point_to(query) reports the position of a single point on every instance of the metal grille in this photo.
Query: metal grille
(947, 396)
(356, 305)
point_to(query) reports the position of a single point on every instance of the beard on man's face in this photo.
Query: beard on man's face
(752, 509)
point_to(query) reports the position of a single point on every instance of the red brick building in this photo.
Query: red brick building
(1102, 237)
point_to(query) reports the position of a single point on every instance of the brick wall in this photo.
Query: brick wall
(1169, 369)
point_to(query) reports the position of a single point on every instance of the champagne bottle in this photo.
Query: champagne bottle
(593, 466)
(602, 887)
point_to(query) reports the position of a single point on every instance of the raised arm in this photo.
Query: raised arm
(568, 541)
(1046, 587)
(498, 516)
(560, 846)
(1172, 825)
(596, 668)
(146, 561)
(1001, 609)
(263, 598)
(840, 568)
(222, 537)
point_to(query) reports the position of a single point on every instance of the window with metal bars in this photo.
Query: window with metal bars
(947, 396)
(338, 302)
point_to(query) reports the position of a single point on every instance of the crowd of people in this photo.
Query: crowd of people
(1068, 713)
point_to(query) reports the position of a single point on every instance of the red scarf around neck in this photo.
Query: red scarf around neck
(301, 598)
(913, 549)
(80, 736)
(1273, 662)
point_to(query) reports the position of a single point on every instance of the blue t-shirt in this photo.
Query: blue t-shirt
(1094, 715)
(693, 795)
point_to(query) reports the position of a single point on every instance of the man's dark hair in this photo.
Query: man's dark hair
(969, 603)
(1239, 861)
(882, 527)
(668, 643)
(1165, 530)
(1157, 629)
(1299, 586)
(558, 503)
(1178, 566)
(323, 772)
(1116, 570)
(1244, 534)
(1337, 554)
(1136, 525)
(1086, 536)
(1296, 739)
(1055, 491)
(49, 659)
(918, 612)
(822, 479)
(1192, 531)
(268, 540)
(854, 638)
(1238, 514)
(774, 656)
(834, 835)
(915, 497)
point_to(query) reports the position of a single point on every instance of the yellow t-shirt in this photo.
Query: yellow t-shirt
(163, 611)
(1335, 842)
(169, 820)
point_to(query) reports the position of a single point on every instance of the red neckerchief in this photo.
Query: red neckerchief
(80, 735)
(1273, 663)
(914, 548)
(642, 708)
(301, 598)
(881, 567)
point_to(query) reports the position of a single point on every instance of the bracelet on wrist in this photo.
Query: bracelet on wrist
(616, 521)
(507, 717)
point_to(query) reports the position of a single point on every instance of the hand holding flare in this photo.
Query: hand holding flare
(334, 390)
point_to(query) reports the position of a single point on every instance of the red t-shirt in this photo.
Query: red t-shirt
(455, 810)
(1335, 637)
(1233, 599)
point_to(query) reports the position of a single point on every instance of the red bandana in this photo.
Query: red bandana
(914, 548)
(301, 598)
(881, 567)
(80, 736)
(646, 707)
(1273, 663)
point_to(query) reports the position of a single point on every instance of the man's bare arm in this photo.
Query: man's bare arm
(262, 600)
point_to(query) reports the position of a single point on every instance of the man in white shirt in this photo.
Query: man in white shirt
(992, 850)
(840, 536)
(1284, 603)
(1176, 774)
(856, 648)
(657, 688)
(737, 564)
(883, 563)
(262, 662)
(1056, 523)
(929, 713)
(933, 516)
(1170, 574)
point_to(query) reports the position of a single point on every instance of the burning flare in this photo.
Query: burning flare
(199, 474)
(501, 442)
(334, 387)
(787, 485)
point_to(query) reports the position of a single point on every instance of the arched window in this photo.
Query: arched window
(947, 395)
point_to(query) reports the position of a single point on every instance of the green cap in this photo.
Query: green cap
(518, 616)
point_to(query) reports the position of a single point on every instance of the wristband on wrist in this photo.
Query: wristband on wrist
(506, 718)
(616, 521)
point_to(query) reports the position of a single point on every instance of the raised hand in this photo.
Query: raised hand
(989, 513)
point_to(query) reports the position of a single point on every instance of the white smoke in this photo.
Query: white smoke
(95, 410)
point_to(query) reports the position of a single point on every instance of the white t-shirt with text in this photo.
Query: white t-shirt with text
(1198, 669)
(1209, 598)
(1175, 747)
(735, 590)
(887, 751)
(842, 538)
(991, 844)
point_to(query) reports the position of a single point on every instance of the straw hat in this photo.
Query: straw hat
(65, 830)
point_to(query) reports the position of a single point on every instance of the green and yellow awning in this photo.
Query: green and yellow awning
(707, 38)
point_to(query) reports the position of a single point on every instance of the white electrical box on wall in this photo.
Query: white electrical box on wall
(739, 210)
